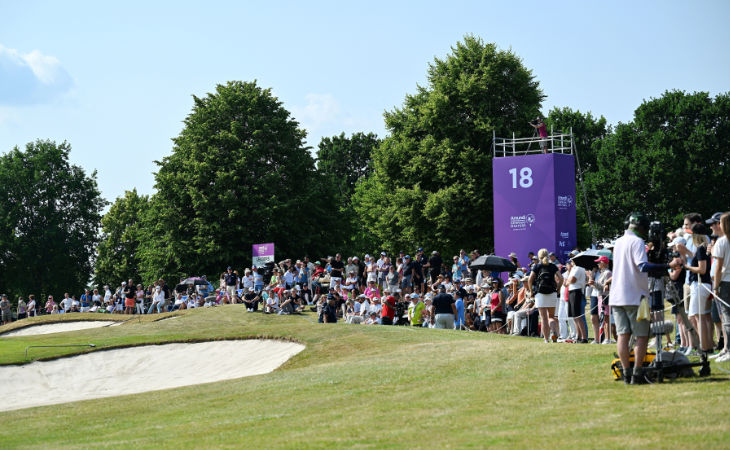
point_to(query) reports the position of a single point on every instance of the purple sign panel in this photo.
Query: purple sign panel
(534, 205)
(263, 253)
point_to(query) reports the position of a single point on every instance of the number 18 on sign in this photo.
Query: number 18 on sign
(534, 204)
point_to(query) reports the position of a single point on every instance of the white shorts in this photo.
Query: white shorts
(546, 300)
(699, 302)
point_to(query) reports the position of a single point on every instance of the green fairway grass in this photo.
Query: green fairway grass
(372, 386)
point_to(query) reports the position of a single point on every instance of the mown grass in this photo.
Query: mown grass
(375, 387)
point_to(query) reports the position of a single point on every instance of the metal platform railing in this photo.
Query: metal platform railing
(514, 146)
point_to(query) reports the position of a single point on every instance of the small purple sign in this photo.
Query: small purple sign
(263, 253)
(534, 205)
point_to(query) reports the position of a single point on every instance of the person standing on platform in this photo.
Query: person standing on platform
(539, 125)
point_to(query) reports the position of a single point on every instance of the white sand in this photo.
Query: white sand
(60, 327)
(138, 369)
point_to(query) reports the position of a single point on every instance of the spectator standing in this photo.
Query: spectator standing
(415, 310)
(721, 282)
(338, 267)
(543, 287)
(5, 309)
(434, 265)
(541, 127)
(460, 321)
(576, 282)
(444, 310)
(129, 297)
(50, 303)
(85, 301)
(231, 280)
(630, 284)
(388, 311)
(31, 306)
(21, 310)
(700, 286)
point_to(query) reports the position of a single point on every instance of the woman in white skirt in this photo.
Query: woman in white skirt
(543, 287)
(700, 287)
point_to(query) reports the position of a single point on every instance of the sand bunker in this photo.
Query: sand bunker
(138, 369)
(60, 327)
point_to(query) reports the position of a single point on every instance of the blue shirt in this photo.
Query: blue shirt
(459, 312)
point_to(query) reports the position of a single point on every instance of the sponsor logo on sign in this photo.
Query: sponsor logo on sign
(562, 244)
(521, 222)
(565, 201)
(564, 235)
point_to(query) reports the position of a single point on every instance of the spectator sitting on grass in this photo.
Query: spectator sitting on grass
(329, 311)
(251, 300)
(372, 319)
(271, 302)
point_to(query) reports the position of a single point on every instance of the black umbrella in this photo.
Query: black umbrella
(587, 259)
(493, 263)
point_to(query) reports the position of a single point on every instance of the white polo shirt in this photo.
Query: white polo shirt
(629, 284)
(580, 278)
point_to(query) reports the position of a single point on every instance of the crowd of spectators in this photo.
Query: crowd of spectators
(543, 297)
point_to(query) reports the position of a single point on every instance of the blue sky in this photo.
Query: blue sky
(115, 79)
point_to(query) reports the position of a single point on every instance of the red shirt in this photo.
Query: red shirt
(389, 307)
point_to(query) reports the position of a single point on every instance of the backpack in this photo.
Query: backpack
(546, 282)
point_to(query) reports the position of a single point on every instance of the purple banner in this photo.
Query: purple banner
(534, 205)
(263, 253)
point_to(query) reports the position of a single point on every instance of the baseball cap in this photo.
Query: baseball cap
(414, 295)
(420, 249)
(549, 254)
(603, 259)
(574, 253)
(678, 240)
(513, 255)
(229, 268)
(408, 256)
(383, 253)
(714, 219)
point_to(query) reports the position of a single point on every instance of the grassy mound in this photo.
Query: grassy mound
(373, 386)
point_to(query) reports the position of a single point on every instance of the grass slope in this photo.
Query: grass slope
(374, 387)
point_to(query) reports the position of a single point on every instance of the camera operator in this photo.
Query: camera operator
(657, 254)
(630, 285)
(539, 125)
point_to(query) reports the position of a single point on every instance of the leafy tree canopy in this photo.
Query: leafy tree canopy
(117, 258)
(238, 175)
(673, 158)
(432, 177)
(50, 211)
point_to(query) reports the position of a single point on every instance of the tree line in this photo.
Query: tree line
(240, 173)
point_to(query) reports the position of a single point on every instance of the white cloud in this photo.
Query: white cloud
(320, 110)
(30, 78)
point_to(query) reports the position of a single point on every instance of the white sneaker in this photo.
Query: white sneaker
(717, 355)
(723, 358)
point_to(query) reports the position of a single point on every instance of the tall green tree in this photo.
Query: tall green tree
(50, 211)
(117, 253)
(432, 177)
(673, 158)
(347, 160)
(239, 174)
(344, 162)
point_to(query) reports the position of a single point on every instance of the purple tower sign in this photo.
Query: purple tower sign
(534, 205)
